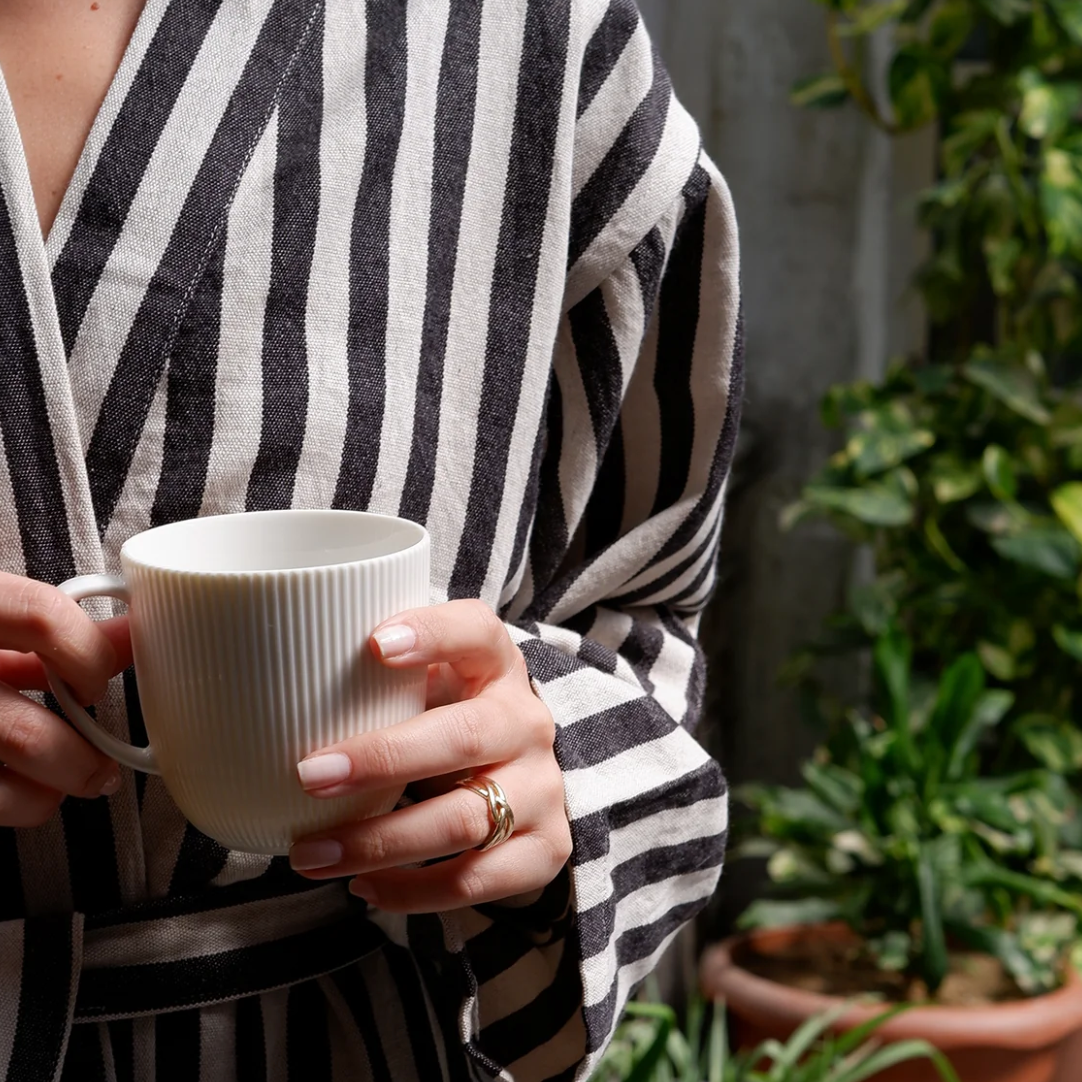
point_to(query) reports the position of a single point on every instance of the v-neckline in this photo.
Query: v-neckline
(134, 50)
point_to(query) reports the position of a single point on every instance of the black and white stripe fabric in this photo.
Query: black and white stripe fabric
(458, 260)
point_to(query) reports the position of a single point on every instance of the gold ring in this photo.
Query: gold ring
(503, 818)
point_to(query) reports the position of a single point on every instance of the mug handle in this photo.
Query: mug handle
(143, 759)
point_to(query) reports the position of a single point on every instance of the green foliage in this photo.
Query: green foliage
(899, 832)
(650, 1047)
(969, 506)
(960, 469)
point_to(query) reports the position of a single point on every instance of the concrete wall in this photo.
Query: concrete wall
(827, 250)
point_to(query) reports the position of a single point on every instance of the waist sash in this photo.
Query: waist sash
(164, 956)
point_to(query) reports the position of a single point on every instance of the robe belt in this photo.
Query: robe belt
(226, 944)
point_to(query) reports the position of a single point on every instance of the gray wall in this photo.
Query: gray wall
(827, 249)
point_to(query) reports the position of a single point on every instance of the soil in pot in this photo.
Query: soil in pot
(773, 981)
(837, 967)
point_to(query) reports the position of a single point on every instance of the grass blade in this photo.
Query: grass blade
(719, 1045)
(891, 1056)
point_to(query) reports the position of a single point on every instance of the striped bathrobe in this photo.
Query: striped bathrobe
(456, 260)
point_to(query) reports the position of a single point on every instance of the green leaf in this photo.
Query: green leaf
(805, 1035)
(892, 659)
(1007, 12)
(874, 504)
(718, 1052)
(993, 518)
(892, 950)
(971, 131)
(825, 91)
(950, 28)
(998, 660)
(834, 785)
(1069, 862)
(1047, 108)
(1068, 640)
(798, 811)
(1002, 257)
(989, 710)
(1010, 382)
(887, 438)
(774, 913)
(1069, 15)
(933, 939)
(890, 1056)
(959, 691)
(872, 16)
(941, 545)
(999, 472)
(1049, 549)
(1040, 890)
(917, 82)
(647, 1062)
(953, 480)
(1061, 202)
(1067, 503)
(1055, 743)
(794, 870)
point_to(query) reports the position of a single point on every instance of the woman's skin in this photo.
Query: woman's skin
(58, 58)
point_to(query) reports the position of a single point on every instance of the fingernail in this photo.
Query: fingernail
(363, 889)
(308, 856)
(112, 784)
(396, 640)
(324, 770)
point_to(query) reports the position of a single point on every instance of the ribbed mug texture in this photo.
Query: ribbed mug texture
(243, 674)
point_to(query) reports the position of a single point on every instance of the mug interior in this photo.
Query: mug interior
(272, 541)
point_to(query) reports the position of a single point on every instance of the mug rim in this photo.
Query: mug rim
(421, 538)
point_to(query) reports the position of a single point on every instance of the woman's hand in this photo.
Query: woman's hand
(483, 718)
(43, 758)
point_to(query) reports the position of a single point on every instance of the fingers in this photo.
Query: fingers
(24, 803)
(40, 747)
(448, 739)
(467, 635)
(37, 619)
(456, 821)
(26, 672)
(524, 863)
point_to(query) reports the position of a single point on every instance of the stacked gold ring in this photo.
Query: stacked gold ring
(503, 818)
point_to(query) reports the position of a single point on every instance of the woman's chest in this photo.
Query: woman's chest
(321, 266)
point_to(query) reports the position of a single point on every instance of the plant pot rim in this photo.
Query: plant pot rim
(1037, 1022)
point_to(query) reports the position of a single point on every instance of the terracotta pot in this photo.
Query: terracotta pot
(1024, 1041)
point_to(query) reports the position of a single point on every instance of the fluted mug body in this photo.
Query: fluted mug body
(250, 635)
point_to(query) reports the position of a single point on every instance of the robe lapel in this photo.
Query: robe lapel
(154, 209)
(47, 528)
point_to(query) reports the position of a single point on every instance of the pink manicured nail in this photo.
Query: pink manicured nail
(308, 856)
(396, 640)
(112, 784)
(323, 770)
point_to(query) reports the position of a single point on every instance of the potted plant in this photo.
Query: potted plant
(649, 1047)
(903, 870)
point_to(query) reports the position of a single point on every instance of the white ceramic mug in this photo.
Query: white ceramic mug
(250, 635)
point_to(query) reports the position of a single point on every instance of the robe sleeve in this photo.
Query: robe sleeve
(642, 419)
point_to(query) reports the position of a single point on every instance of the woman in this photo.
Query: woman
(457, 260)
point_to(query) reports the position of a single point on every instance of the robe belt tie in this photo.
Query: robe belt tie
(226, 944)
